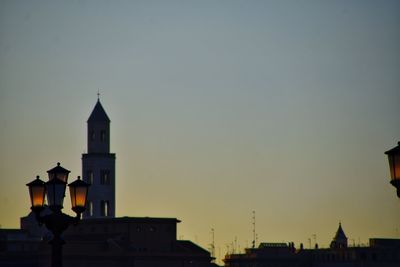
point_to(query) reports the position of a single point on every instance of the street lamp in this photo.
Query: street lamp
(78, 191)
(394, 165)
(37, 191)
(57, 222)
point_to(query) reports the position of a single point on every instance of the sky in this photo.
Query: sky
(217, 108)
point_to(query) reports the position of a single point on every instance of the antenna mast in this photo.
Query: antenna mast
(212, 244)
(254, 229)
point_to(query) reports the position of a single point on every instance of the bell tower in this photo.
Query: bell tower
(98, 166)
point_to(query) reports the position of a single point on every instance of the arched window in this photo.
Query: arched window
(90, 208)
(105, 208)
(105, 177)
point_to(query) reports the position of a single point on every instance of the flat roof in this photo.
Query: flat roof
(127, 219)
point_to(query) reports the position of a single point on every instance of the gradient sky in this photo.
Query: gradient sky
(218, 108)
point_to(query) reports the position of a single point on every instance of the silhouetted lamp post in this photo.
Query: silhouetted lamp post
(57, 222)
(394, 165)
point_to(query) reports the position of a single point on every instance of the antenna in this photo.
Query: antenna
(212, 245)
(254, 229)
(219, 253)
(236, 245)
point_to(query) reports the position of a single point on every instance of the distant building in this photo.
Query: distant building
(127, 241)
(19, 249)
(104, 242)
(17, 240)
(340, 239)
(98, 166)
(381, 252)
(267, 254)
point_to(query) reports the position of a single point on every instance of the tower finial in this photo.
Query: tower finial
(98, 94)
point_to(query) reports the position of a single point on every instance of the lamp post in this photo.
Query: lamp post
(57, 222)
(394, 165)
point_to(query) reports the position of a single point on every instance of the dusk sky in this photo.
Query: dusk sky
(217, 108)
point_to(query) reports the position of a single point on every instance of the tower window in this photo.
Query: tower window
(92, 135)
(105, 208)
(90, 208)
(105, 177)
(103, 135)
(89, 176)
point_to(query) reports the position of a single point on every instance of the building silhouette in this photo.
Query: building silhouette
(381, 252)
(340, 239)
(98, 166)
(131, 241)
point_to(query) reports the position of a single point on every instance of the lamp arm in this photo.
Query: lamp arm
(59, 222)
(56, 222)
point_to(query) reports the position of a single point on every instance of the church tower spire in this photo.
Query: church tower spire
(98, 130)
(340, 239)
(98, 165)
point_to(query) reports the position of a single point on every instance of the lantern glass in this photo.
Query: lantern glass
(78, 191)
(394, 162)
(394, 165)
(78, 196)
(58, 172)
(37, 196)
(55, 193)
(37, 192)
